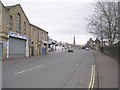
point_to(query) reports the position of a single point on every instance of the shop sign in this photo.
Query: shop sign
(17, 35)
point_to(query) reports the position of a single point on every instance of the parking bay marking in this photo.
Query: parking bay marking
(28, 69)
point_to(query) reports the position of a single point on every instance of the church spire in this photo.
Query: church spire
(74, 43)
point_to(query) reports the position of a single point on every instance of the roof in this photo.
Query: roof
(2, 5)
(12, 6)
(38, 27)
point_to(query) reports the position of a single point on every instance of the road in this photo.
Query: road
(56, 70)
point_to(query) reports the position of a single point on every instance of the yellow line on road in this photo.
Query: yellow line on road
(92, 79)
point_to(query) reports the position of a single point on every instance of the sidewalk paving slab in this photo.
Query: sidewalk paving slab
(107, 70)
(15, 60)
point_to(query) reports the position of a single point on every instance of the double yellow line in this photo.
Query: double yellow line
(92, 79)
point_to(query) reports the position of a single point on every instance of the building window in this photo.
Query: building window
(10, 23)
(24, 28)
(42, 36)
(18, 22)
(38, 34)
(34, 32)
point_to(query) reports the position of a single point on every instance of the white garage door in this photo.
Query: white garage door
(17, 47)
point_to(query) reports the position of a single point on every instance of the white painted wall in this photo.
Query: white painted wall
(27, 48)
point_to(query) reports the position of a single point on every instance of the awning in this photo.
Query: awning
(46, 42)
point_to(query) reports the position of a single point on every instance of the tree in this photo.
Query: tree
(104, 21)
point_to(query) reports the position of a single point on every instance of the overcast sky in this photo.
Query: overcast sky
(61, 18)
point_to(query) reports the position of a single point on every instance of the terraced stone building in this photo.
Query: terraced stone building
(18, 37)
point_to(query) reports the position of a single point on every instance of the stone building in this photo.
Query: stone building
(16, 33)
(1, 42)
(97, 44)
(94, 44)
(90, 43)
(39, 40)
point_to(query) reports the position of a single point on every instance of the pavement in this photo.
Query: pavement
(19, 59)
(107, 70)
(15, 60)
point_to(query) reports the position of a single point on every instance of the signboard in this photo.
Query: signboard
(18, 35)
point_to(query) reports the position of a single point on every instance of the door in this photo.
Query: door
(43, 51)
(17, 47)
(32, 51)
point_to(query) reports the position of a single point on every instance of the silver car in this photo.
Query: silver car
(87, 49)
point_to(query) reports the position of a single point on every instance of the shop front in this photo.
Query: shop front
(17, 45)
(44, 47)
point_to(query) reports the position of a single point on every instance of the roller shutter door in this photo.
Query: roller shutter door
(17, 47)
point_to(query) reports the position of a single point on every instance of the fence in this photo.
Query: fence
(113, 51)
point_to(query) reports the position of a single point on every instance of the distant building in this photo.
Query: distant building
(94, 44)
(90, 43)
(97, 44)
(52, 44)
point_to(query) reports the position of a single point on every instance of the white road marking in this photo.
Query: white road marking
(28, 69)
(77, 65)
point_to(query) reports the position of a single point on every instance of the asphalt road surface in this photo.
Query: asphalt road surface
(56, 70)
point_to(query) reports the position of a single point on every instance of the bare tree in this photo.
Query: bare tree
(104, 22)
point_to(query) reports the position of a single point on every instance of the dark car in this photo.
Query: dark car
(70, 50)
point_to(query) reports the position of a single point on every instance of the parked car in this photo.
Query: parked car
(87, 49)
(70, 50)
